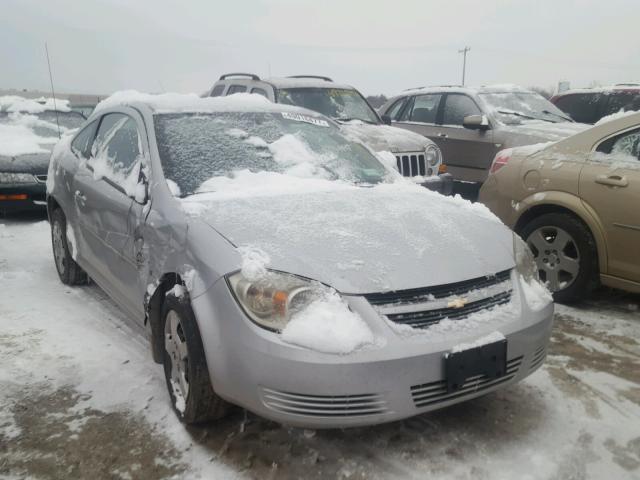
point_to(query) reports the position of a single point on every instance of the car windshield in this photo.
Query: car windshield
(195, 148)
(513, 108)
(338, 103)
(44, 123)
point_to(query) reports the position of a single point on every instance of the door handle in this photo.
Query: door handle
(443, 135)
(612, 180)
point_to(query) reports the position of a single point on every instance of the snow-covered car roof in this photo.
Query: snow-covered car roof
(619, 87)
(286, 82)
(192, 103)
(15, 103)
(498, 88)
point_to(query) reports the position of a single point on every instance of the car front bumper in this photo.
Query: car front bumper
(403, 377)
(19, 198)
(442, 183)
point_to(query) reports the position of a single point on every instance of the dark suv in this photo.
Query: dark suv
(590, 105)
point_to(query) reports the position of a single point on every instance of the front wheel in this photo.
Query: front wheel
(565, 254)
(185, 365)
(69, 271)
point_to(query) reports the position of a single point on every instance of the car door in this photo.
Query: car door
(110, 202)
(419, 114)
(468, 152)
(610, 185)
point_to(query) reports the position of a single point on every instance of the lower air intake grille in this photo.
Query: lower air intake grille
(324, 406)
(436, 392)
(538, 357)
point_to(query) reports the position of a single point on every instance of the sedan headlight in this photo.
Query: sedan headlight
(432, 155)
(16, 178)
(525, 263)
(273, 298)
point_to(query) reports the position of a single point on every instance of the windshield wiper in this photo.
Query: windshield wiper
(522, 115)
(557, 115)
(348, 119)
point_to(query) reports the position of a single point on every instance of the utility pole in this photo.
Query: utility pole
(464, 61)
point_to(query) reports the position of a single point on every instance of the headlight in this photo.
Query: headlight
(525, 263)
(272, 299)
(14, 178)
(432, 155)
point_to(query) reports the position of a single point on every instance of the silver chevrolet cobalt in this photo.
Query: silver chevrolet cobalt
(285, 268)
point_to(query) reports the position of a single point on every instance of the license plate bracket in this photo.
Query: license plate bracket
(489, 360)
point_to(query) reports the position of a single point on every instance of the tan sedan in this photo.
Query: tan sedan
(576, 202)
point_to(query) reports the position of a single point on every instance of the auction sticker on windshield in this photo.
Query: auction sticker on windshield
(305, 118)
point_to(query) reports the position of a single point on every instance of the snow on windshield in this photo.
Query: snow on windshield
(513, 108)
(338, 103)
(24, 133)
(201, 152)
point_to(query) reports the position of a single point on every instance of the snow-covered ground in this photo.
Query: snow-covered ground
(81, 398)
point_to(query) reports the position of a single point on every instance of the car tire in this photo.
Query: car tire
(565, 250)
(184, 360)
(69, 271)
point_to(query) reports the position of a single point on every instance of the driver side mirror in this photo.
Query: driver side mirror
(476, 122)
(386, 119)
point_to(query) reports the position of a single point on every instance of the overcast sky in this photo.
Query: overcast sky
(99, 46)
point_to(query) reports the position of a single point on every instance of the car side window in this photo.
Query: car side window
(259, 91)
(581, 107)
(458, 106)
(396, 108)
(217, 90)
(116, 152)
(424, 109)
(626, 145)
(236, 89)
(81, 145)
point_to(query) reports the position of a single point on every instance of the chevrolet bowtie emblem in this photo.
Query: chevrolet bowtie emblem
(457, 303)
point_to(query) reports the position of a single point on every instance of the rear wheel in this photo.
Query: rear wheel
(69, 271)
(185, 365)
(565, 253)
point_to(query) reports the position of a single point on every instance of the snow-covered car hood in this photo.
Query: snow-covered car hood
(364, 240)
(545, 131)
(385, 138)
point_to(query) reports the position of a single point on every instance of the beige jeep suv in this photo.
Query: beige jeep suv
(577, 204)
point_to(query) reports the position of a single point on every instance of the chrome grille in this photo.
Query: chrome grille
(413, 164)
(324, 405)
(436, 392)
(439, 291)
(423, 319)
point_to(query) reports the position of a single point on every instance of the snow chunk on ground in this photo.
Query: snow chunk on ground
(327, 325)
(493, 337)
(254, 262)
(536, 294)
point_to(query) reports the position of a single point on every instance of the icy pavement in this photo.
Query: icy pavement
(81, 398)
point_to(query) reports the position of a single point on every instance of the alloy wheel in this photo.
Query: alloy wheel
(556, 255)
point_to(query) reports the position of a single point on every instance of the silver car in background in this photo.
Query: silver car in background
(281, 267)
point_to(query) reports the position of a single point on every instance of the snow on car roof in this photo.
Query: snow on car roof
(15, 103)
(192, 103)
(498, 88)
(621, 87)
(286, 82)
